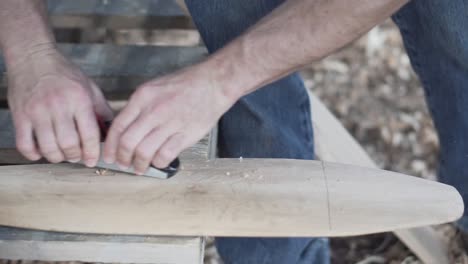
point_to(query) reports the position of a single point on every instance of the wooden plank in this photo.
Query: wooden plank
(118, 14)
(224, 197)
(118, 70)
(334, 143)
(53, 246)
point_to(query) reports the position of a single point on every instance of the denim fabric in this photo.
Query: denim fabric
(273, 122)
(435, 33)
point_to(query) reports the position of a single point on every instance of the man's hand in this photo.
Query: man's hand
(169, 114)
(54, 108)
(163, 117)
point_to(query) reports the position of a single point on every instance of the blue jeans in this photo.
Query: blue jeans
(275, 121)
(435, 35)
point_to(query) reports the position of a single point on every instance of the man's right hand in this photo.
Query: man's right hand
(54, 107)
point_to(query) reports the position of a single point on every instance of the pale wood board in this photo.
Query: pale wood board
(224, 197)
(119, 69)
(118, 14)
(38, 245)
(334, 143)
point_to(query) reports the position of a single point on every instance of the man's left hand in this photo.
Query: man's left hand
(163, 117)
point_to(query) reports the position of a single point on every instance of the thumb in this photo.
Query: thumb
(101, 106)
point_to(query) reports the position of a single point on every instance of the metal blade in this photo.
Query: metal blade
(151, 172)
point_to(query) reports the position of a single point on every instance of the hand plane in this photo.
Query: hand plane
(154, 172)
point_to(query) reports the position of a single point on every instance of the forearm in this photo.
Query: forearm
(24, 29)
(293, 35)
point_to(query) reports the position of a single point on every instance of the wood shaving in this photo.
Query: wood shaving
(101, 172)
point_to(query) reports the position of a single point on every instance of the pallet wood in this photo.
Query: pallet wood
(224, 197)
(334, 143)
(118, 14)
(118, 70)
(204, 149)
(16, 243)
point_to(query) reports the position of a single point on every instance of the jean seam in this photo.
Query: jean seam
(307, 124)
(410, 49)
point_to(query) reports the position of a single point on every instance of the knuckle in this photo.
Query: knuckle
(71, 150)
(54, 100)
(34, 108)
(81, 92)
(54, 159)
(53, 156)
(83, 99)
(24, 148)
(118, 126)
(141, 165)
(124, 145)
(127, 143)
(165, 155)
(90, 155)
(142, 154)
(90, 141)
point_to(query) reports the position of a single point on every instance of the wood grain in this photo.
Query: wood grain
(334, 143)
(26, 244)
(118, 70)
(118, 14)
(224, 197)
(51, 246)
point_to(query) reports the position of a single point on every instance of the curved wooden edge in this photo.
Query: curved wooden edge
(224, 197)
(330, 139)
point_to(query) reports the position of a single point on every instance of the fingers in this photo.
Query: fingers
(45, 136)
(88, 130)
(171, 149)
(118, 127)
(25, 140)
(132, 137)
(146, 150)
(67, 137)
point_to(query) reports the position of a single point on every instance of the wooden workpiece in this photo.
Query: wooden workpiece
(27, 244)
(224, 197)
(329, 138)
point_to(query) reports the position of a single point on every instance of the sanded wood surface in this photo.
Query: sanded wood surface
(334, 143)
(224, 197)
